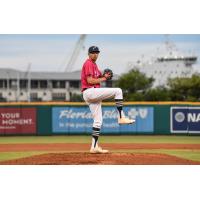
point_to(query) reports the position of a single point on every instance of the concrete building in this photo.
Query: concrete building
(18, 85)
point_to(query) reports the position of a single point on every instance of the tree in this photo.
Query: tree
(76, 97)
(134, 84)
(185, 89)
(137, 87)
(157, 94)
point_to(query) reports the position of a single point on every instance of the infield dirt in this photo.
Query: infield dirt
(77, 154)
(101, 159)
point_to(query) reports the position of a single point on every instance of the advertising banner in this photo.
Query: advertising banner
(17, 120)
(185, 119)
(79, 120)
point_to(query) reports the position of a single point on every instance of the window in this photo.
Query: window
(58, 84)
(55, 84)
(62, 84)
(34, 84)
(23, 84)
(13, 84)
(6, 82)
(58, 96)
(1, 83)
(43, 84)
(1, 98)
(74, 84)
(34, 97)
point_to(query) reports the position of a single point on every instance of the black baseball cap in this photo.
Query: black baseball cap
(93, 49)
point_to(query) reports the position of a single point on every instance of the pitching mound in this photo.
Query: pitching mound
(101, 159)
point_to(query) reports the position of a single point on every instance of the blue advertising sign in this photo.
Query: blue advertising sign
(185, 119)
(79, 120)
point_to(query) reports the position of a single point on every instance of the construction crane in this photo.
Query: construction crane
(75, 54)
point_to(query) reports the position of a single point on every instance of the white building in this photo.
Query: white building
(40, 86)
(169, 64)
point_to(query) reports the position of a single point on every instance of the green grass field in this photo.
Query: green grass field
(182, 153)
(104, 139)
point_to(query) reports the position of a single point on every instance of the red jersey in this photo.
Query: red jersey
(89, 69)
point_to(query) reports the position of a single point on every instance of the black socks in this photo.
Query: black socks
(119, 104)
(95, 136)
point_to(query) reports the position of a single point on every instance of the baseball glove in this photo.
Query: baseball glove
(108, 71)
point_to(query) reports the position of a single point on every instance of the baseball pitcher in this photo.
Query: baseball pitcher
(93, 94)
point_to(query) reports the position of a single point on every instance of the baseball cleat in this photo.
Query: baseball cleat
(125, 120)
(98, 150)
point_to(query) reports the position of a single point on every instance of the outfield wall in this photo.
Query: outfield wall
(42, 118)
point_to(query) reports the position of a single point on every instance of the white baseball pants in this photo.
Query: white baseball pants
(94, 96)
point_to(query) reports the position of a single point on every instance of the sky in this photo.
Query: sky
(51, 52)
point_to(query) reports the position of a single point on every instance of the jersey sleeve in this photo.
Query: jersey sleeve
(88, 69)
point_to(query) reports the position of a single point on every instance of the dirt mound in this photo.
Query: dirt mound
(101, 159)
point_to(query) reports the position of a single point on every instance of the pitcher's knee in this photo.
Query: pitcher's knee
(119, 90)
(119, 94)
